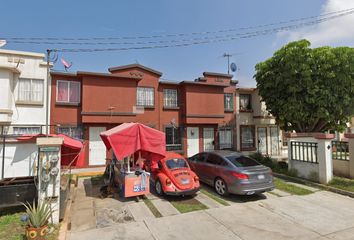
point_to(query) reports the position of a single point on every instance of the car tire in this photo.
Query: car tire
(158, 188)
(220, 187)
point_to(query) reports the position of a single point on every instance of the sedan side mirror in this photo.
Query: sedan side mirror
(159, 164)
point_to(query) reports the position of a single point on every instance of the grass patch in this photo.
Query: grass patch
(289, 188)
(342, 183)
(152, 208)
(187, 205)
(12, 228)
(215, 197)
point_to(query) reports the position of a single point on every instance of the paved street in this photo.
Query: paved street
(321, 215)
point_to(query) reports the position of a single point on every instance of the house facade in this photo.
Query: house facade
(256, 126)
(23, 81)
(196, 115)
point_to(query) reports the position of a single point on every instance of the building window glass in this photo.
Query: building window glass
(68, 92)
(245, 102)
(30, 90)
(170, 98)
(228, 102)
(74, 132)
(247, 138)
(173, 138)
(225, 138)
(26, 130)
(145, 96)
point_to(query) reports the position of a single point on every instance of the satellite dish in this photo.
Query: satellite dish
(2, 43)
(233, 67)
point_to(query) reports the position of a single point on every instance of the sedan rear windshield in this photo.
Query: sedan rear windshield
(176, 163)
(242, 161)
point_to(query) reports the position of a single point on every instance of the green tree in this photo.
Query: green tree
(308, 89)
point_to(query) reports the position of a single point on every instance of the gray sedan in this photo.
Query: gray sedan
(232, 172)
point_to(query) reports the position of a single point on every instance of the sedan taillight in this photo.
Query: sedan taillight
(239, 175)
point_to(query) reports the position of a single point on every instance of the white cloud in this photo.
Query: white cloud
(331, 32)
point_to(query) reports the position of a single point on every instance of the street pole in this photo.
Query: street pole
(3, 152)
(47, 94)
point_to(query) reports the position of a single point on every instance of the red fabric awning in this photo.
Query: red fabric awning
(71, 149)
(128, 138)
(68, 141)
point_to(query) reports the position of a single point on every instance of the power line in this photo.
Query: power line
(34, 40)
(224, 39)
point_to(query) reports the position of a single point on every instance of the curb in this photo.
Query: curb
(313, 184)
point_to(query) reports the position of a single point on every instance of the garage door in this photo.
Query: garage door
(97, 148)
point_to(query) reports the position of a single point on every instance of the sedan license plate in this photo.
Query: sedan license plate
(185, 181)
(260, 177)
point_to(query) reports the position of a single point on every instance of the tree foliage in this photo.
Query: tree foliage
(308, 89)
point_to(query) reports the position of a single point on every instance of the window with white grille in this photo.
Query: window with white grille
(145, 97)
(225, 138)
(30, 90)
(74, 132)
(26, 130)
(170, 98)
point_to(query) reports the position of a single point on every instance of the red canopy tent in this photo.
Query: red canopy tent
(71, 150)
(129, 138)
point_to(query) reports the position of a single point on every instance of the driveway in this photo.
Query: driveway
(321, 215)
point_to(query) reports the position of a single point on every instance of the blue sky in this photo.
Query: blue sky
(144, 18)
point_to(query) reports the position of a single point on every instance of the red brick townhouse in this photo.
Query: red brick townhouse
(195, 115)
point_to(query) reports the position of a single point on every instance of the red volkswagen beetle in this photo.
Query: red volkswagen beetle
(173, 176)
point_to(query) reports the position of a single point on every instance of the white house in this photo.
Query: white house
(23, 85)
(257, 128)
(23, 81)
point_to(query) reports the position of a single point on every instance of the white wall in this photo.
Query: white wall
(29, 65)
(20, 159)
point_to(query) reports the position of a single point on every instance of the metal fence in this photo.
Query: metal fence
(304, 151)
(340, 150)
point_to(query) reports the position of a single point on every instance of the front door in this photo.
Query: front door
(208, 136)
(97, 148)
(274, 138)
(262, 140)
(192, 141)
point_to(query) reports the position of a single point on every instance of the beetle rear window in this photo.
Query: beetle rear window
(176, 163)
(242, 161)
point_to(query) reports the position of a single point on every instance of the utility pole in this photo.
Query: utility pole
(47, 94)
(228, 61)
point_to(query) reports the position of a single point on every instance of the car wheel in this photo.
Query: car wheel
(158, 188)
(221, 187)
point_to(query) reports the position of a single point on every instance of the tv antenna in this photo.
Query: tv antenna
(233, 65)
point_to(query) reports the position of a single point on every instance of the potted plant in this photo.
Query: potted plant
(37, 220)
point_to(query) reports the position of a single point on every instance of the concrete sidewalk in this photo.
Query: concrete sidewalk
(322, 215)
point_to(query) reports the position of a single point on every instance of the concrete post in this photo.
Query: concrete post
(324, 154)
(49, 173)
(350, 136)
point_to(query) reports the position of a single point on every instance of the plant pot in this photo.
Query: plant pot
(33, 233)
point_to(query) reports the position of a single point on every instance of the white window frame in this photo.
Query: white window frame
(143, 102)
(18, 100)
(69, 85)
(171, 102)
